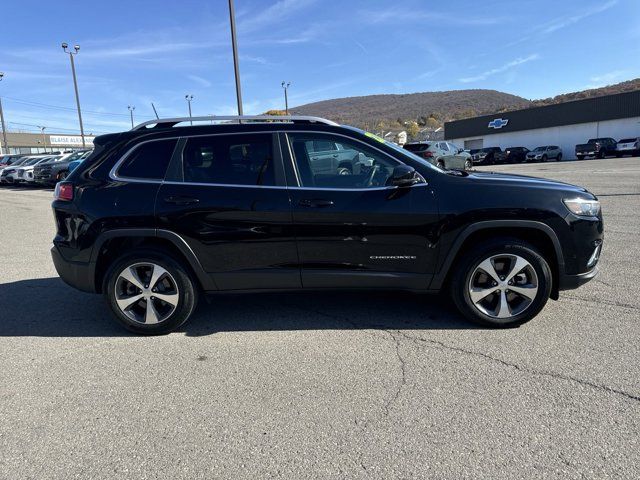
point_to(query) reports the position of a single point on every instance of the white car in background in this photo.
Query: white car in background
(26, 172)
(628, 146)
(15, 174)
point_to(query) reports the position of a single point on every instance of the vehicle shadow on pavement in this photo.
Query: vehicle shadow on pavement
(46, 307)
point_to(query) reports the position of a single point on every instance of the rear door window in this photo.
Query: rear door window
(149, 161)
(230, 160)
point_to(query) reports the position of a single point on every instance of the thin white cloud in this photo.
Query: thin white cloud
(560, 23)
(203, 82)
(277, 12)
(396, 15)
(501, 69)
(608, 77)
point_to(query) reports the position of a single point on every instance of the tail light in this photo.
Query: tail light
(63, 191)
(427, 154)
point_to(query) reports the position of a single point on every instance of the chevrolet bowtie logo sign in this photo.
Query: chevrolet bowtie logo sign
(498, 123)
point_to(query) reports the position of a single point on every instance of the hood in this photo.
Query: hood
(508, 180)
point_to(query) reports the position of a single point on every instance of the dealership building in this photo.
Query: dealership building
(20, 142)
(564, 124)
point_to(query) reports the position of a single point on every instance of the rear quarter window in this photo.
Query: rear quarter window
(149, 161)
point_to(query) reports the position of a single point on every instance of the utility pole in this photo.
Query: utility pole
(234, 46)
(131, 109)
(285, 86)
(44, 138)
(5, 145)
(188, 98)
(76, 49)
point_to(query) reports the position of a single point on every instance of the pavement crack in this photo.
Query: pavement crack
(532, 371)
(599, 301)
(403, 377)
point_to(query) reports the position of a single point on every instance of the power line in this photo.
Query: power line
(59, 107)
(50, 127)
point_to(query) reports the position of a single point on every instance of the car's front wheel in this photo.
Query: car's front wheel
(468, 165)
(149, 292)
(502, 283)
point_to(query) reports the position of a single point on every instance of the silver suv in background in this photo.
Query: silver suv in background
(443, 154)
(549, 152)
(628, 146)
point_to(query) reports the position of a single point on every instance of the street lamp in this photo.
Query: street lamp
(234, 46)
(76, 49)
(44, 138)
(5, 145)
(131, 109)
(285, 86)
(188, 98)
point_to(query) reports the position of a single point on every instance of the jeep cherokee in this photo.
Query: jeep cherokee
(163, 213)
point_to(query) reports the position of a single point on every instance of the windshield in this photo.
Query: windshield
(31, 161)
(539, 149)
(488, 149)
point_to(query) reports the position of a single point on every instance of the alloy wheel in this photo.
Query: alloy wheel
(503, 286)
(146, 293)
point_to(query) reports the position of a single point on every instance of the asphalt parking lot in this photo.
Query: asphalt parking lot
(323, 385)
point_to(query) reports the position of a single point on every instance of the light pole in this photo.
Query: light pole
(285, 86)
(44, 138)
(188, 98)
(76, 49)
(131, 109)
(234, 46)
(5, 145)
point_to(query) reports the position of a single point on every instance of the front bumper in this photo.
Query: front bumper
(571, 282)
(76, 274)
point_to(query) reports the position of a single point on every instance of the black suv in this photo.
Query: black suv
(49, 173)
(158, 215)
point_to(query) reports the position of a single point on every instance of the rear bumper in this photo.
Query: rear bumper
(76, 274)
(571, 282)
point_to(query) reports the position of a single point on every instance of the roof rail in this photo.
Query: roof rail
(171, 122)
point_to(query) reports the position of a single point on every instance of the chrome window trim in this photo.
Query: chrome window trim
(114, 176)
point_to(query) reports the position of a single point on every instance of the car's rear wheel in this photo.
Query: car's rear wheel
(602, 154)
(502, 283)
(580, 157)
(559, 158)
(149, 292)
(468, 165)
(440, 164)
(544, 158)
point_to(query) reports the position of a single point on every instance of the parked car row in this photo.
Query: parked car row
(493, 155)
(608, 147)
(42, 169)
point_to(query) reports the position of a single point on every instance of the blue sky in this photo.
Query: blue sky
(136, 52)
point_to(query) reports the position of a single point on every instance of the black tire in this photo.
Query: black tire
(63, 175)
(440, 164)
(618, 155)
(186, 287)
(559, 158)
(580, 157)
(544, 158)
(468, 165)
(465, 268)
(602, 154)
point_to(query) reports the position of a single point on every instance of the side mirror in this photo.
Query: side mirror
(404, 176)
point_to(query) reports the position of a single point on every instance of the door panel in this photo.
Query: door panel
(355, 232)
(242, 234)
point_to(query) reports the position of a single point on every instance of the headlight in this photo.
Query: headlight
(583, 207)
